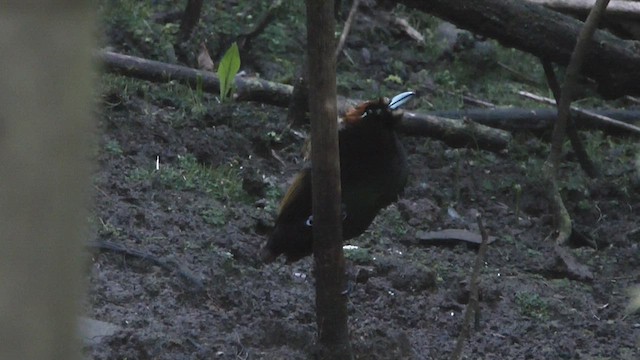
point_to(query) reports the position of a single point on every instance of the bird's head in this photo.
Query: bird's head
(383, 111)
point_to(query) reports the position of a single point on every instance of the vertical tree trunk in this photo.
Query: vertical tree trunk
(45, 98)
(331, 303)
(299, 103)
(190, 18)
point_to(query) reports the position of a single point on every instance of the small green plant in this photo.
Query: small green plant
(394, 221)
(109, 229)
(273, 196)
(487, 185)
(197, 106)
(216, 216)
(532, 305)
(274, 137)
(227, 70)
(228, 263)
(394, 79)
(113, 147)
(585, 204)
(446, 79)
(116, 89)
(357, 255)
(517, 188)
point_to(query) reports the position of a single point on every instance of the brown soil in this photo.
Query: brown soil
(226, 305)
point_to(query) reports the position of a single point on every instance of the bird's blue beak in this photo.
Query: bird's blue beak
(400, 99)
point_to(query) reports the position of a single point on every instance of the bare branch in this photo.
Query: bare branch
(563, 220)
(583, 158)
(347, 26)
(244, 40)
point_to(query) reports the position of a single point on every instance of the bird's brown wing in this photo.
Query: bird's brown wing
(297, 199)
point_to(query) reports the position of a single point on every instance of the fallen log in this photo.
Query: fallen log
(247, 89)
(632, 129)
(612, 62)
(540, 119)
(455, 133)
(618, 9)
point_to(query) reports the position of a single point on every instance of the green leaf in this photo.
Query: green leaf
(227, 70)
(394, 78)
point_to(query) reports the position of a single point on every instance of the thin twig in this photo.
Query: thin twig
(473, 307)
(632, 99)
(583, 158)
(467, 99)
(347, 26)
(245, 39)
(171, 266)
(474, 299)
(522, 77)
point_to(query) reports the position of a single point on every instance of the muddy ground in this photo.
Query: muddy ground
(219, 302)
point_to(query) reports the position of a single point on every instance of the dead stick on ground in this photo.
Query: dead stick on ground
(473, 308)
(347, 26)
(171, 266)
(467, 99)
(607, 120)
(519, 75)
(551, 165)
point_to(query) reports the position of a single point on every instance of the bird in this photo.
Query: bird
(373, 174)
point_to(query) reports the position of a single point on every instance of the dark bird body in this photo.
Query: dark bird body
(373, 173)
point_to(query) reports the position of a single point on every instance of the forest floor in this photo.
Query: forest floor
(195, 184)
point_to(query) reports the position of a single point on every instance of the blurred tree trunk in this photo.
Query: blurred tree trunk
(331, 302)
(45, 98)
